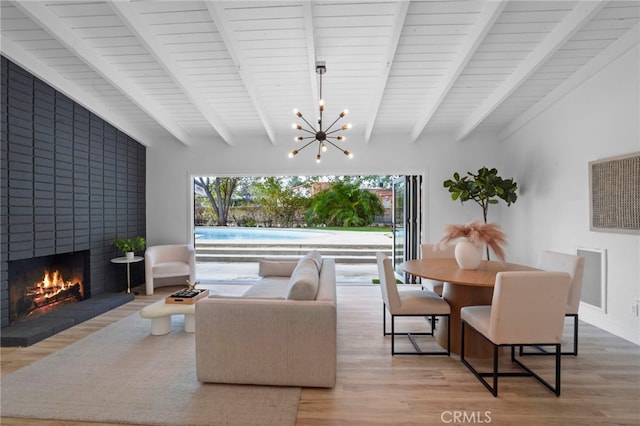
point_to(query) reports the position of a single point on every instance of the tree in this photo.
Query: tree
(345, 204)
(483, 189)
(486, 188)
(219, 192)
(278, 201)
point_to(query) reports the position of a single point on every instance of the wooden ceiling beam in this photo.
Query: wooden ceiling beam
(79, 95)
(567, 28)
(40, 13)
(619, 47)
(135, 24)
(398, 24)
(487, 18)
(307, 16)
(217, 12)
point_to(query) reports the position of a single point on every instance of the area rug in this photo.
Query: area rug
(122, 374)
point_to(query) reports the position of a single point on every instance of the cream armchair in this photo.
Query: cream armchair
(169, 261)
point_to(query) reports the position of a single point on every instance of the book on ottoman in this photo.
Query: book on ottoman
(186, 296)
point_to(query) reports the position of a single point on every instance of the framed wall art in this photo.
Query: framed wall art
(615, 194)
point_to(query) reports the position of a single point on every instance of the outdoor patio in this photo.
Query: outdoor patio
(347, 272)
(245, 272)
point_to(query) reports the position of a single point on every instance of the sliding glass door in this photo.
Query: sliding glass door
(407, 221)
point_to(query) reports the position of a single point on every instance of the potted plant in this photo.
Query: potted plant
(129, 246)
(485, 187)
(474, 237)
(139, 244)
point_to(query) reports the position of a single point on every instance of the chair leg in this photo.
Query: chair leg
(411, 338)
(575, 336)
(558, 359)
(384, 319)
(393, 335)
(448, 335)
(481, 376)
(495, 373)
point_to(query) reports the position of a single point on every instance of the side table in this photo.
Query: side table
(128, 262)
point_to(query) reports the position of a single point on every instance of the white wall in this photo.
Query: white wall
(170, 166)
(549, 159)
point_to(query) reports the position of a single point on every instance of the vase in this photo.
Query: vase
(129, 255)
(468, 255)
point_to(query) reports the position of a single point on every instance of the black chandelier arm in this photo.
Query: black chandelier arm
(334, 145)
(332, 124)
(307, 144)
(305, 120)
(313, 132)
(334, 131)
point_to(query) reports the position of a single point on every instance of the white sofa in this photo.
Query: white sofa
(169, 264)
(281, 332)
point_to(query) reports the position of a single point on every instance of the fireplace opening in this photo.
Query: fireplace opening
(43, 284)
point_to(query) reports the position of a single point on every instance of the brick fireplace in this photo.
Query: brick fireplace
(71, 183)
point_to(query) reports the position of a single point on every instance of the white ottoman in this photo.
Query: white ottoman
(160, 315)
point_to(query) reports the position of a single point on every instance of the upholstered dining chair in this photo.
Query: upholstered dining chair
(169, 261)
(408, 303)
(574, 265)
(518, 297)
(430, 251)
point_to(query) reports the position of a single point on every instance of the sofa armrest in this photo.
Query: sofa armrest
(266, 342)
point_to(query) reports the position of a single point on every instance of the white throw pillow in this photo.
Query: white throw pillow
(303, 284)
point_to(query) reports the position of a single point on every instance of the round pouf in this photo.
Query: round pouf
(468, 255)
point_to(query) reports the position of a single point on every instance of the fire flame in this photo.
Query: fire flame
(53, 284)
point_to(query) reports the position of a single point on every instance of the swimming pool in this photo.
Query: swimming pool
(225, 233)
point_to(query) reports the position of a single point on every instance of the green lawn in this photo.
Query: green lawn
(353, 228)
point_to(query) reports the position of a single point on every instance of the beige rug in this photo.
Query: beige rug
(122, 374)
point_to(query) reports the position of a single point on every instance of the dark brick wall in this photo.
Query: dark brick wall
(70, 182)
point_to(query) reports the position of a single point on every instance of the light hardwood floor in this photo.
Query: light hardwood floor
(600, 386)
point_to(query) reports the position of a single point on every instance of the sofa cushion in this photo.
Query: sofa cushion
(269, 287)
(303, 284)
(316, 256)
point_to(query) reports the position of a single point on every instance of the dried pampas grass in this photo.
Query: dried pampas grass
(478, 233)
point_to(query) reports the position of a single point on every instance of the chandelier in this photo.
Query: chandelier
(320, 134)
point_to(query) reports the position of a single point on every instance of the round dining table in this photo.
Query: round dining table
(462, 287)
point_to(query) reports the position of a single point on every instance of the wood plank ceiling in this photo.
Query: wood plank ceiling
(231, 72)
